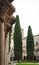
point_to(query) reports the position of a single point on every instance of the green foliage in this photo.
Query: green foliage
(9, 39)
(30, 44)
(17, 40)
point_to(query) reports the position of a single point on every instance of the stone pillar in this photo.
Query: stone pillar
(2, 41)
(7, 50)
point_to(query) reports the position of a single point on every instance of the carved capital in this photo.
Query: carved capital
(1, 19)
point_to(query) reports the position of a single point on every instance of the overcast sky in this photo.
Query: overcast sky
(28, 11)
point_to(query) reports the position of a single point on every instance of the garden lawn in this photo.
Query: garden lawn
(27, 64)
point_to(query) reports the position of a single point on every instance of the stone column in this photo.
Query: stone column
(2, 42)
(7, 50)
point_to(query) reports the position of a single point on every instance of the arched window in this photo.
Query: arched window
(36, 43)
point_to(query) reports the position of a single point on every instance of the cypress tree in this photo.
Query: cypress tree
(17, 40)
(30, 44)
